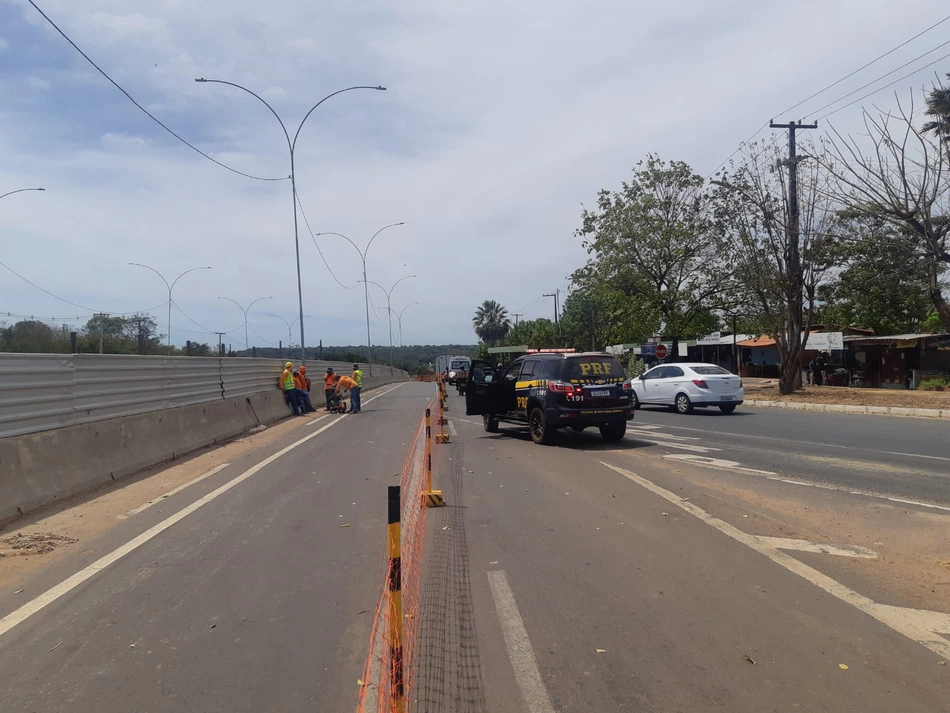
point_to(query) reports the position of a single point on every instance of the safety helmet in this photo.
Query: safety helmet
(289, 365)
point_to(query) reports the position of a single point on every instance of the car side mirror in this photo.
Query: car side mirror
(643, 377)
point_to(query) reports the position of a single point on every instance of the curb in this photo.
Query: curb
(839, 408)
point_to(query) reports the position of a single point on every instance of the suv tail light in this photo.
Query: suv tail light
(560, 387)
(701, 383)
(627, 386)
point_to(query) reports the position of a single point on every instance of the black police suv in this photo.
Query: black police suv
(549, 391)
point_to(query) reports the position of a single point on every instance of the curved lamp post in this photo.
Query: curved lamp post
(245, 311)
(363, 253)
(389, 306)
(291, 145)
(170, 288)
(20, 190)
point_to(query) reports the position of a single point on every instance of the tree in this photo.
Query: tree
(901, 178)
(656, 250)
(883, 284)
(491, 322)
(28, 337)
(938, 107)
(779, 265)
(541, 333)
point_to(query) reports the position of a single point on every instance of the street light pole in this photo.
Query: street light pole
(170, 288)
(363, 253)
(245, 311)
(21, 190)
(389, 307)
(399, 320)
(291, 145)
(290, 326)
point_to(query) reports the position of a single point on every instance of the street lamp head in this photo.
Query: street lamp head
(381, 88)
(41, 189)
(201, 79)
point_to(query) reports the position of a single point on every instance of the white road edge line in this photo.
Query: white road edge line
(719, 464)
(519, 647)
(181, 487)
(924, 627)
(51, 595)
(787, 543)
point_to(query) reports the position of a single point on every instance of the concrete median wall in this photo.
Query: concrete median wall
(37, 469)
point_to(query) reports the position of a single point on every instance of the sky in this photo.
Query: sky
(500, 121)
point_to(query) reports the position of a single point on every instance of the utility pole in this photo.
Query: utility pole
(793, 255)
(220, 346)
(516, 315)
(554, 295)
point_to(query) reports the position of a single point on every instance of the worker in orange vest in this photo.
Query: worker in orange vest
(346, 382)
(302, 383)
(329, 384)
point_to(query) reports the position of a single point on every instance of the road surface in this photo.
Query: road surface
(657, 574)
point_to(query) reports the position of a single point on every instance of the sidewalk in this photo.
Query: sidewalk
(889, 402)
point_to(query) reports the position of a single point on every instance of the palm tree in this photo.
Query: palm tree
(938, 107)
(491, 322)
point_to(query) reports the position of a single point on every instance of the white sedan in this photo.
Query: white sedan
(685, 386)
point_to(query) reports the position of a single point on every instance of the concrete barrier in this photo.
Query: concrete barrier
(37, 469)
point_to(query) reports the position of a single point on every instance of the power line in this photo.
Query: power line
(142, 108)
(865, 66)
(208, 331)
(891, 84)
(317, 246)
(833, 84)
(883, 76)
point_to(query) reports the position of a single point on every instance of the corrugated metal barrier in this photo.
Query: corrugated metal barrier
(40, 392)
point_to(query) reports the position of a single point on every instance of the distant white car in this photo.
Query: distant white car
(685, 386)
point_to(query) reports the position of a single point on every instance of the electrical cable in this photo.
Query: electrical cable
(317, 246)
(884, 76)
(833, 84)
(201, 326)
(891, 84)
(142, 108)
(268, 343)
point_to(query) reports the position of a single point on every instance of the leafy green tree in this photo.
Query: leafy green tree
(491, 322)
(883, 283)
(28, 337)
(658, 256)
(541, 333)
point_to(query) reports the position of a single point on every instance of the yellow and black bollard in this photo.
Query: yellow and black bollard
(442, 437)
(397, 687)
(432, 498)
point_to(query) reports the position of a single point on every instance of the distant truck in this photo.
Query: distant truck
(455, 370)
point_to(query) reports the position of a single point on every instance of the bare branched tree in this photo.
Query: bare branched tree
(777, 281)
(898, 173)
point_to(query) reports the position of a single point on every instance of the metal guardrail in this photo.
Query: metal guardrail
(41, 392)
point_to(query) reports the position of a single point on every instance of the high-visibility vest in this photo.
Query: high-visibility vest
(358, 378)
(289, 380)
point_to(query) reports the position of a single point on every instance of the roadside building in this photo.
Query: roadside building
(897, 361)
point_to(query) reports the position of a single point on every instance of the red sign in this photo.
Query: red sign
(661, 351)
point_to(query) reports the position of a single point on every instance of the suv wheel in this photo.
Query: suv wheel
(613, 431)
(490, 422)
(683, 404)
(541, 432)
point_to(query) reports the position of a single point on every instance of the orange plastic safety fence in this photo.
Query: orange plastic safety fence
(377, 690)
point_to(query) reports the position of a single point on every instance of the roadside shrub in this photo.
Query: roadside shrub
(937, 383)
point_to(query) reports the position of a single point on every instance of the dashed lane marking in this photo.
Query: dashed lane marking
(925, 627)
(161, 497)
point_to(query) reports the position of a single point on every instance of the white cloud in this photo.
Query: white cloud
(498, 122)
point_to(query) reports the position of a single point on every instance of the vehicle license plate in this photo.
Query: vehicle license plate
(602, 392)
(725, 398)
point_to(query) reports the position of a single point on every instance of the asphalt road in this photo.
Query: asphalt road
(582, 577)
(258, 601)
(903, 457)
(623, 602)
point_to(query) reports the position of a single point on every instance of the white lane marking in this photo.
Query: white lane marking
(451, 429)
(924, 627)
(519, 646)
(719, 464)
(67, 585)
(317, 419)
(683, 446)
(716, 463)
(161, 497)
(648, 426)
(914, 455)
(637, 430)
(747, 436)
(465, 420)
(786, 543)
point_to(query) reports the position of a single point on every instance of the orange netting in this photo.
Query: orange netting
(377, 687)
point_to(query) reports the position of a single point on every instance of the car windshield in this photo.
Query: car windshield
(459, 365)
(707, 370)
(593, 367)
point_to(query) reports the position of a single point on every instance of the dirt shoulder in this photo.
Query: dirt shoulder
(847, 396)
